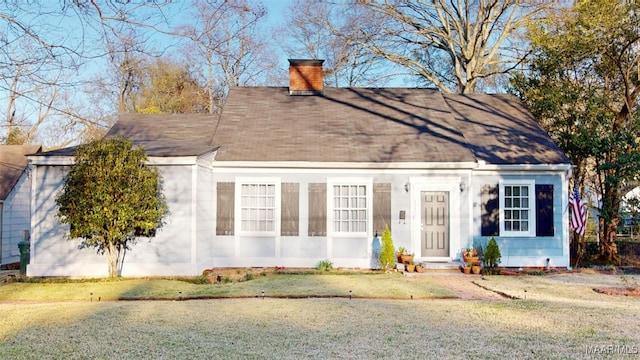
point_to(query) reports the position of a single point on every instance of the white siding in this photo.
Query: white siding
(343, 250)
(15, 219)
(169, 253)
(531, 250)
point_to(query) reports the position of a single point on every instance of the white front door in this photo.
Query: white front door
(435, 223)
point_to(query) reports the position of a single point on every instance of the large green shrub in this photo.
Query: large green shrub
(387, 255)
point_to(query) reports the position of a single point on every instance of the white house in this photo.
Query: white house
(15, 200)
(292, 175)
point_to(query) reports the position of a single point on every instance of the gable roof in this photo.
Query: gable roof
(341, 125)
(168, 134)
(13, 162)
(499, 129)
(357, 125)
(162, 135)
(380, 125)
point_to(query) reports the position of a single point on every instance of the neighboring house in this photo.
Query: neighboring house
(291, 176)
(15, 189)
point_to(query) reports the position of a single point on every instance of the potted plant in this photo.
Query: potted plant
(411, 267)
(401, 250)
(469, 255)
(475, 268)
(419, 268)
(466, 268)
(406, 257)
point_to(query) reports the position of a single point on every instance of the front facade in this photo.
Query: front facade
(291, 176)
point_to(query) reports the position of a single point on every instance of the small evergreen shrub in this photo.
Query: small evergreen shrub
(387, 255)
(491, 257)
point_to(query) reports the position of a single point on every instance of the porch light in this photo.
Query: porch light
(462, 186)
(406, 187)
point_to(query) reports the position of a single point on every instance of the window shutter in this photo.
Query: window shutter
(490, 211)
(544, 210)
(225, 208)
(290, 209)
(381, 207)
(318, 209)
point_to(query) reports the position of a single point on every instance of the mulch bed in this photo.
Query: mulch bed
(621, 291)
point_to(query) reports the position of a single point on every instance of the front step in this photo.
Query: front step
(452, 266)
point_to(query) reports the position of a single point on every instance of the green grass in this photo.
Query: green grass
(560, 319)
(382, 286)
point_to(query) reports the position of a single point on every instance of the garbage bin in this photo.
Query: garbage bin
(25, 254)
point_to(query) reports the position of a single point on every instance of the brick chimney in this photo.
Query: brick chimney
(305, 77)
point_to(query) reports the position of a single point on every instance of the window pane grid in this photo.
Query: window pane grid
(258, 207)
(350, 208)
(516, 208)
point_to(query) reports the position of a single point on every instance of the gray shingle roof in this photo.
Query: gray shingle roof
(162, 135)
(342, 125)
(500, 130)
(13, 162)
(380, 125)
(365, 125)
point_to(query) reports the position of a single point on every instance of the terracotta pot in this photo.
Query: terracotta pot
(419, 268)
(469, 259)
(406, 258)
(411, 268)
(399, 257)
(475, 269)
(466, 270)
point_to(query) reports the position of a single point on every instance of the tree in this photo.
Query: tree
(47, 48)
(307, 34)
(110, 196)
(387, 255)
(227, 46)
(168, 87)
(584, 85)
(453, 45)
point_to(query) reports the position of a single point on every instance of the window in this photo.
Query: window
(535, 212)
(516, 210)
(350, 208)
(258, 208)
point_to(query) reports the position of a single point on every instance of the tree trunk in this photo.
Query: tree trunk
(608, 247)
(113, 259)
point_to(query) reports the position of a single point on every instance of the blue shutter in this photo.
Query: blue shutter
(544, 210)
(490, 210)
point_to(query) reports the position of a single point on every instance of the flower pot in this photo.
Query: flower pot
(469, 259)
(475, 269)
(406, 258)
(411, 268)
(466, 270)
(399, 257)
(419, 268)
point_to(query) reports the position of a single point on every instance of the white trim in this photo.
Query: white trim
(331, 235)
(32, 209)
(368, 183)
(177, 160)
(532, 207)
(194, 217)
(343, 165)
(151, 160)
(52, 160)
(523, 167)
(450, 184)
(239, 181)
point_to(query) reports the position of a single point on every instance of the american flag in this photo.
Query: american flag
(578, 217)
